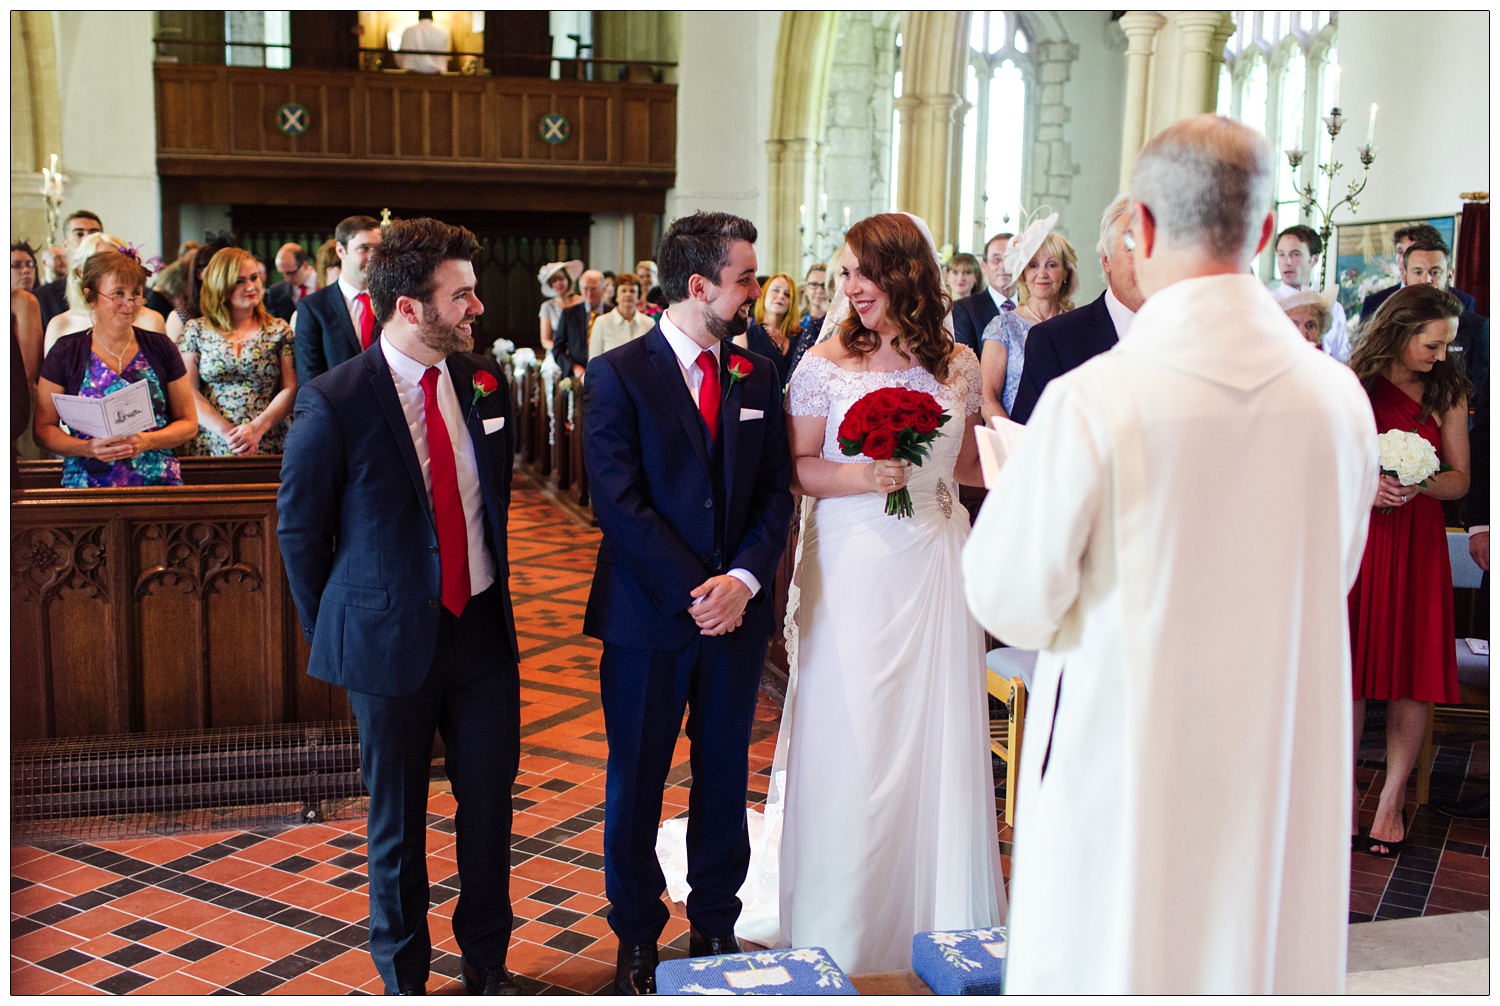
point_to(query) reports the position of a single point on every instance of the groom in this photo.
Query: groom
(689, 466)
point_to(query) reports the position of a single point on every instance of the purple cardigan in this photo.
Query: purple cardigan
(69, 359)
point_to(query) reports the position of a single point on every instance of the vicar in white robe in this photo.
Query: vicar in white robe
(1177, 535)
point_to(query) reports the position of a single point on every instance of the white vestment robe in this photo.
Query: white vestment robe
(1178, 534)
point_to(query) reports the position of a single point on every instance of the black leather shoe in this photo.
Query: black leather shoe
(711, 946)
(488, 981)
(1470, 810)
(635, 969)
(411, 990)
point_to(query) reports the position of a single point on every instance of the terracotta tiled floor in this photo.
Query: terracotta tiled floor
(284, 911)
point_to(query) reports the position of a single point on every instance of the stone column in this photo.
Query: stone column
(1220, 39)
(1140, 27)
(932, 86)
(1198, 60)
(1052, 167)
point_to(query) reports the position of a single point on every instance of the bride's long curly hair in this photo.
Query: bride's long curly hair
(894, 256)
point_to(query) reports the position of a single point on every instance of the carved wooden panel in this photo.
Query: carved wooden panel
(189, 116)
(154, 609)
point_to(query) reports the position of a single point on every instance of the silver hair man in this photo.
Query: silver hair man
(1207, 181)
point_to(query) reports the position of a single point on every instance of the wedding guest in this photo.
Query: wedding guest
(326, 263)
(298, 279)
(1309, 312)
(240, 361)
(962, 276)
(888, 665)
(337, 323)
(1298, 252)
(394, 539)
(1187, 757)
(609, 289)
(1404, 238)
(1427, 263)
(108, 357)
(772, 333)
(570, 341)
(974, 312)
(1055, 347)
(812, 302)
(624, 323)
(1401, 607)
(1046, 269)
(654, 301)
(23, 268)
(53, 296)
(79, 315)
(557, 280)
(185, 306)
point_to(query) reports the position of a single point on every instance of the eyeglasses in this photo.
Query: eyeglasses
(23, 265)
(120, 298)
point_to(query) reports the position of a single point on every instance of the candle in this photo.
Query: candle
(802, 214)
(1334, 71)
(54, 164)
(1370, 135)
(823, 205)
(846, 218)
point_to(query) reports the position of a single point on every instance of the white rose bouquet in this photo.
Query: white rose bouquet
(1408, 457)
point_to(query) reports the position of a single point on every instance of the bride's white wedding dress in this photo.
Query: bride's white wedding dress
(880, 822)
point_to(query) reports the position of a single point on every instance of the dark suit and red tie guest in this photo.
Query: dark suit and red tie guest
(1431, 263)
(337, 323)
(1056, 346)
(974, 312)
(298, 279)
(689, 468)
(392, 512)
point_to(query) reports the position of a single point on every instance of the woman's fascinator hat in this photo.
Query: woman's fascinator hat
(574, 269)
(1026, 244)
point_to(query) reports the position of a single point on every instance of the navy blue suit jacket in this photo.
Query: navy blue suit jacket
(356, 528)
(1372, 303)
(280, 300)
(325, 333)
(971, 315)
(570, 341)
(651, 479)
(1059, 344)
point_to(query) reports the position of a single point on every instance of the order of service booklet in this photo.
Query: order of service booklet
(117, 414)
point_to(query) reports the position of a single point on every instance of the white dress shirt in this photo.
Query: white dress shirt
(687, 352)
(1000, 299)
(424, 36)
(1119, 314)
(406, 374)
(349, 293)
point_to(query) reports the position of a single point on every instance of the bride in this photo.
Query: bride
(880, 822)
(888, 824)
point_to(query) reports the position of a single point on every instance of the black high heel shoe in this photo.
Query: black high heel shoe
(1392, 849)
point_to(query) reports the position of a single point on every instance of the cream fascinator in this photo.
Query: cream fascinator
(573, 266)
(1023, 246)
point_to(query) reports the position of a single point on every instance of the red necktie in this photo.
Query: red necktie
(447, 505)
(366, 320)
(708, 393)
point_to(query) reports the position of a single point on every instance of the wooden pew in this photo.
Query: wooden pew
(148, 609)
(563, 403)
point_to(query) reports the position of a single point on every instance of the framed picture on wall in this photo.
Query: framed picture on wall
(1366, 259)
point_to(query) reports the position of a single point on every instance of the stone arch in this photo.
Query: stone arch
(35, 124)
(799, 104)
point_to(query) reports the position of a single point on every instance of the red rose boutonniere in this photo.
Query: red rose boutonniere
(739, 369)
(484, 384)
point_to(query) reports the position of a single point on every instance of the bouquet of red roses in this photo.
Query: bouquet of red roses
(892, 423)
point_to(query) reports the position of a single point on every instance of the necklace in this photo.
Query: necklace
(120, 356)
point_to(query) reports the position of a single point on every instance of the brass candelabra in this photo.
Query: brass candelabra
(1308, 194)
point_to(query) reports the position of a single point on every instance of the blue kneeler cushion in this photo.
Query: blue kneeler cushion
(807, 971)
(963, 962)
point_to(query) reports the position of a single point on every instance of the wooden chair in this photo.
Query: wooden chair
(1472, 712)
(1009, 673)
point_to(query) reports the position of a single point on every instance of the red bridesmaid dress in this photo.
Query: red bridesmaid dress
(1401, 607)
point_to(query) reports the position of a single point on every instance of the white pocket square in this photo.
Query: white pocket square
(491, 425)
(752, 414)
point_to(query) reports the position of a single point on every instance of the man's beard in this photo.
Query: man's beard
(447, 340)
(726, 328)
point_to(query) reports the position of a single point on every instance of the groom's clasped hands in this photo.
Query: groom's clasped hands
(719, 604)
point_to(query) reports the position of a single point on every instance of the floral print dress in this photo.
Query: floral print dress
(238, 386)
(148, 468)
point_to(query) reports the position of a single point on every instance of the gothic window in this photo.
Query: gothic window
(1280, 76)
(995, 126)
